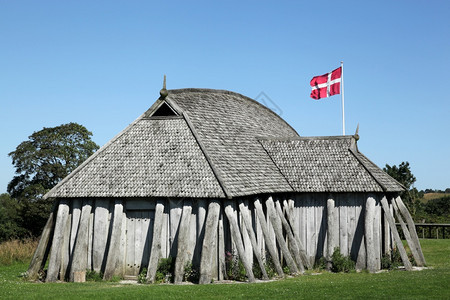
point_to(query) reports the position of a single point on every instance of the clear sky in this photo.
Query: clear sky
(101, 64)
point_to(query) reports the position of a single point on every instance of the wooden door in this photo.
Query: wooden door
(139, 240)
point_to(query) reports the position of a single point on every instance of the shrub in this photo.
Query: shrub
(166, 266)
(142, 277)
(234, 267)
(321, 264)
(190, 273)
(270, 267)
(92, 275)
(341, 263)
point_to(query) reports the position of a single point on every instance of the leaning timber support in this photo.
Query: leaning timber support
(407, 235)
(369, 234)
(293, 242)
(58, 238)
(113, 251)
(276, 223)
(80, 250)
(269, 243)
(302, 249)
(209, 242)
(45, 242)
(397, 239)
(237, 237)
(100, 233)
(155, 252)
(248, 226)
(183, 242)
(332, 239)
(412, 229)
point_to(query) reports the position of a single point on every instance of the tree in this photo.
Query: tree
(10, 223)
(403, 175)
(41, 162)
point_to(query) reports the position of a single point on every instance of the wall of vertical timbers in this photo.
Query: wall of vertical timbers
(120, 237)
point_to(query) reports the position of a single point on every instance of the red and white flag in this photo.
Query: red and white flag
(326, 85)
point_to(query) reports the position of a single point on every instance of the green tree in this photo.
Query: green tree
(41, 162)
(10, 222)
(403, 175)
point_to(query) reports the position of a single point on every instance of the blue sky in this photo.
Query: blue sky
(101, 64)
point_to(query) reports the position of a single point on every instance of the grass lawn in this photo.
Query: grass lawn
(427, 284)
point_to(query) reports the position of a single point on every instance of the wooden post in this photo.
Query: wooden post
(412, 229)
(235, 232)
(269, 243)
(101, 231)
(302, 249)
(183, 242)
(276, 223)
(113, 251)
(394, 231)
(221, 249)
(407, 235)
(368, 233)
(45, 242)
(248, 225)
(58, 238)
(80, 250)
(155, 252)
(293, 242)
(386, 236)
(331, 238)
(209, 242)
(65, 249)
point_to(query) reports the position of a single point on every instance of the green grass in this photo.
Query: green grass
(427, 284)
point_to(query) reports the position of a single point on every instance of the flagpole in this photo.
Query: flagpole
(342, 97)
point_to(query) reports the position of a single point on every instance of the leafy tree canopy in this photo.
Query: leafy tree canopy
(48, 156)
(402, 174)
(41, 162)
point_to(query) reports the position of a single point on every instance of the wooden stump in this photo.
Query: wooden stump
(79, 276)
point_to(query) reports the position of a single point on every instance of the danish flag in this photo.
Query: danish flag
(326, 85)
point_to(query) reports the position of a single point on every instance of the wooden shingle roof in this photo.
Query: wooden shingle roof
(327, 164)
(205, 143)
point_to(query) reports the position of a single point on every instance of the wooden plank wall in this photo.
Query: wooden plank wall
(310, 214)
(307, 214)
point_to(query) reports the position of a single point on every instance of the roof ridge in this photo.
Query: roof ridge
(301, 138)
(180, 91)
(356, 153)
(207, 157)
(90, 158)
(278, 167)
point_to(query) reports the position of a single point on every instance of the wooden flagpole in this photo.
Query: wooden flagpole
(342, 97)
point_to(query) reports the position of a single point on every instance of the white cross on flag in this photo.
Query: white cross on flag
(326, 85)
